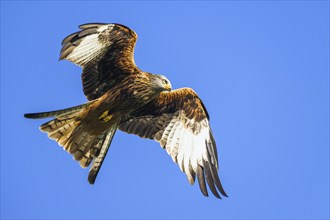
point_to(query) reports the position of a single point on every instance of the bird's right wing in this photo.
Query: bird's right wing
(179, 121)
(105, 52)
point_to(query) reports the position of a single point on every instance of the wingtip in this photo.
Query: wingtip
(62, 55)
(218, 197)
(89, 25)
(201, 181)
(205, 193)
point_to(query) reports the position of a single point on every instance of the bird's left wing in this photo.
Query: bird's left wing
(179, 121)
(105, 52)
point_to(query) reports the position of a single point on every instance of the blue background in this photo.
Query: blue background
(261, 68)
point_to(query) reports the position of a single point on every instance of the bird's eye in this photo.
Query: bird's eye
(165, 81)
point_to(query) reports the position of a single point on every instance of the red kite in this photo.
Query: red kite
(121, 96)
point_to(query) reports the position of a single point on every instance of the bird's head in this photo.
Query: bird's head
(161, 83)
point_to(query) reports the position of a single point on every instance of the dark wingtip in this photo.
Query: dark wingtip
(61, 58)
(201, 180)
(210, 181)
(89, 25)
(224, 194)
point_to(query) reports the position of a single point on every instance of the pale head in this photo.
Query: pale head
(161, 83)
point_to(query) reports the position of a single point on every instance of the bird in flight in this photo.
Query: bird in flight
(121, 96)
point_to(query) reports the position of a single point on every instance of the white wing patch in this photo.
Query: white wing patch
(186, 142)
(89, 47)
(191, 145)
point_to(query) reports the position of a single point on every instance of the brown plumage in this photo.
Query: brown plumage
(121, 96)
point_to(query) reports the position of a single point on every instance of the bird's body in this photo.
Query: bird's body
(118, 103)
(121, 96)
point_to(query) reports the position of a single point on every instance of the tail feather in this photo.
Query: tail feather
(57, 113)
(83, 151)
(94, 151)
(89, 149)
(69, 130)
(78, 144)
(55, 124)
(82, 148)
(62, 134)
(86, 160)
(61, 128)
(104, 147)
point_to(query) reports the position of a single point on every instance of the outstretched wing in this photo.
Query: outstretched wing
(179, 121)
(106, 54)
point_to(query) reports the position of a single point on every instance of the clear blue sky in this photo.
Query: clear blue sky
(261, 68)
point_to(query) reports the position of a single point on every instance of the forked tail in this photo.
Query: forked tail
(68, 130)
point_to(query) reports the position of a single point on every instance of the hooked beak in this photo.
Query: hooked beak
(168, 88)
